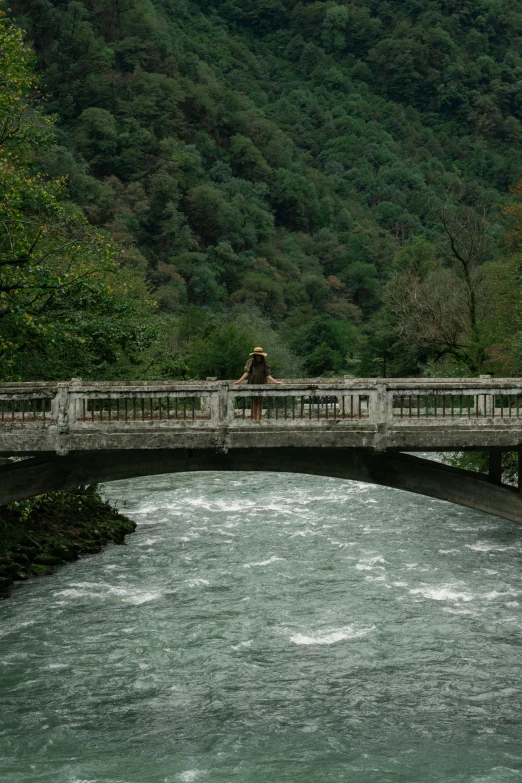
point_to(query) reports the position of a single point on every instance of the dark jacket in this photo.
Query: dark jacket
(258, 372)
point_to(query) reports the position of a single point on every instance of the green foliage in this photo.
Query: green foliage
(283, 157)
(478, 461)
(326, 343)
(65, 306)
(222, 354)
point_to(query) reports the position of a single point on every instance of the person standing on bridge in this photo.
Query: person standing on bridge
(257, 370)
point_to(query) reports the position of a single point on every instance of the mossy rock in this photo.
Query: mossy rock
(28, 551)
(91, 547)
(64, 552)
(20, 558)
(39, 570)
(49, 560)
(28, 541)
(8, 570)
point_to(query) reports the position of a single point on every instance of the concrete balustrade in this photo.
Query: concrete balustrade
(375, 414)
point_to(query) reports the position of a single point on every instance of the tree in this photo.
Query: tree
(426, 305)
(63, 303)
(467, 236)
(247, 159)
(208, 211)
(254, 126)
(222, 354)
(96, 138)
(324, 343)
(436, 304)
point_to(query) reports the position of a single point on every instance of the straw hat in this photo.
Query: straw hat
(259, 352)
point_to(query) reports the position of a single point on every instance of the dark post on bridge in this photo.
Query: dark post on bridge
(74, 433)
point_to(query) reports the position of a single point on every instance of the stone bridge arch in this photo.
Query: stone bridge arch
(47, 473)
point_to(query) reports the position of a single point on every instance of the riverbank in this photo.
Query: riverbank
(46, 532)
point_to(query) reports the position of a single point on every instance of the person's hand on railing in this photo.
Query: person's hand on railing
(273, 380)
(243, 377)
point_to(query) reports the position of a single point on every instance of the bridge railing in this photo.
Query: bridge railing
(27, 403)
(163, 404)
(320, 403)
(454, 404)
(398, 402)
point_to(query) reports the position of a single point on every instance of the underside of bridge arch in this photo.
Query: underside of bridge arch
(34, 476)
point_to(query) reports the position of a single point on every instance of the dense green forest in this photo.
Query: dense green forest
(336, 181)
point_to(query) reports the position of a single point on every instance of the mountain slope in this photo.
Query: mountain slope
(271, 158)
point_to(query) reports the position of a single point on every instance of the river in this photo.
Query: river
(265, 628)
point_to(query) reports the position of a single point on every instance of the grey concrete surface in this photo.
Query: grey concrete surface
(77, 433)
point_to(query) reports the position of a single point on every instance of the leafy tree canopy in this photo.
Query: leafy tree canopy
(288, 158)
(64, 304)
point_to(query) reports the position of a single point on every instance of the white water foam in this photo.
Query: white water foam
(306, 533)
(369, 563)
(482, 546)
(491, 596)
(220, 505)
(270, 560)
(149, 541)
(442, 594)
(242, 644)
(97, 590)
(332, 635)
(458, 610)
(190, 775)
(197, 582)
(17, 627)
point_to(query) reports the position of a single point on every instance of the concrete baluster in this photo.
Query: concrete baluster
(489, 397)
(379, 414)
(379, 405)
(345, 400)
(224, 407)
(206, 403)
(75, 402)
(60, 416)
(60, 406)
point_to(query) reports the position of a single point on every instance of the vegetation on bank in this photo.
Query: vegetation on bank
(39, 535)
(332, 176)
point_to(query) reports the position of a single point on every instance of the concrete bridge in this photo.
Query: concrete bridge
(76, 433)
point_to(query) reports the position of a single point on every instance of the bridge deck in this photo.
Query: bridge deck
(364, 414)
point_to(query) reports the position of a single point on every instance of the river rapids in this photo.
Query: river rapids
(266, 628)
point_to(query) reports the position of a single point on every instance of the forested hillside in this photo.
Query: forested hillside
(331, 180)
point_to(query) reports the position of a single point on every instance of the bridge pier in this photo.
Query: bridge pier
(495, 465)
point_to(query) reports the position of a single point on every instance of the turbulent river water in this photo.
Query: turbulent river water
(265, 628)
